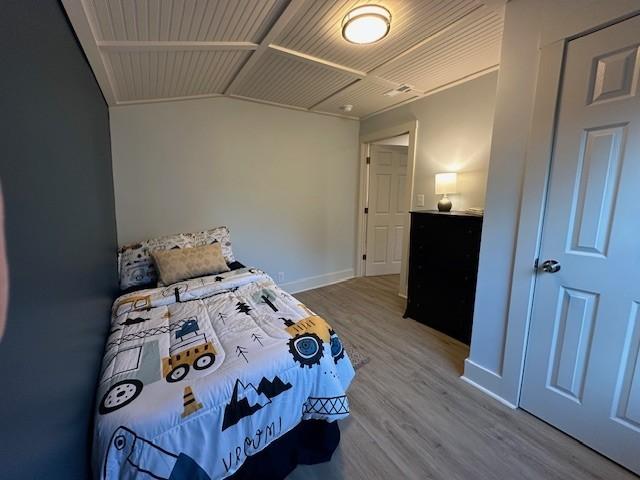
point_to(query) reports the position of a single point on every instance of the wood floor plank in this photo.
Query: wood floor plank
(413, 418)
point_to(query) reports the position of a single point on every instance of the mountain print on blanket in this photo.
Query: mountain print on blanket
(247, 399)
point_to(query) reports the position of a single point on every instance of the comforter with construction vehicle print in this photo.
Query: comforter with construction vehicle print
(202, 374)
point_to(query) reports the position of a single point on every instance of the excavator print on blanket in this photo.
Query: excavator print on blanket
(125, 373)
(132, 456)
(307, 338)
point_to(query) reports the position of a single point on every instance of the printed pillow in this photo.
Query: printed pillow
(135, 264)
(213, 235)
(185, 263)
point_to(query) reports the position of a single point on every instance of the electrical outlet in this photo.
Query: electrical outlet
(280, 277)
(420, 200)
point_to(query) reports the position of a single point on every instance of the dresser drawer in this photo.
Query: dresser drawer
(445, 241)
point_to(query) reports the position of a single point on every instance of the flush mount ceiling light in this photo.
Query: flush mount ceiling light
(366, 24)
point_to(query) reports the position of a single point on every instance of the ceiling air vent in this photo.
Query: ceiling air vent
(397, 91)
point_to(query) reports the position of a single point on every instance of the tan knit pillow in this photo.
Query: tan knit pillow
(184, 263)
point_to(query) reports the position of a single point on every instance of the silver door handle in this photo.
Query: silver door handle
(550, 266)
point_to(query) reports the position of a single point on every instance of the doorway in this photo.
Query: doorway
(387, 210)
(582, 368)
(386, 191)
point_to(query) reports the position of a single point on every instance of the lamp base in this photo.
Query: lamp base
(444, 205)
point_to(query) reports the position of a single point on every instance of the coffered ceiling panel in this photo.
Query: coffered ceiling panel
(161, 74)
(282, 79)
(287, 52)
(174, 20)
(366, 96)
(473, 45)
(317, 30)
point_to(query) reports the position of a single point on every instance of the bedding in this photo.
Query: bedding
(199, 376)
(135, 263)
(309, 443)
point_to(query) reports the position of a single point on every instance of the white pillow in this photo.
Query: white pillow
(218, 234)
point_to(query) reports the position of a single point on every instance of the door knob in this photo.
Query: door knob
(550, 266)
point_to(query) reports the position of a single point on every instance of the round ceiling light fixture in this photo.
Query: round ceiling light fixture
(366, 24)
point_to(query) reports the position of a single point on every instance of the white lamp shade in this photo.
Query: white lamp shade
(446, 183)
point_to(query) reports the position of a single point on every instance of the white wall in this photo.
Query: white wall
(284, 181)
(454, 135)
(499, 335)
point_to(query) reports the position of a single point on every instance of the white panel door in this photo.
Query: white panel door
(387, 209)
(582, 369)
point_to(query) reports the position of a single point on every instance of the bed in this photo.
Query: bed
(214, 377)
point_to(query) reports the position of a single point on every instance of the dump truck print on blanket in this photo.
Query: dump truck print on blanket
(199, 375)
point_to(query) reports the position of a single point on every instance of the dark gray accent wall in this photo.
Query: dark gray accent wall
(55, 168)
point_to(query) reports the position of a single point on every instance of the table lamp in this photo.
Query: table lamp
(446, 183)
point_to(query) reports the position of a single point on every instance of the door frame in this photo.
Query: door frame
(539, 155)
(412, 129)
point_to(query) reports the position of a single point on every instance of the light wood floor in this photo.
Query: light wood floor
(413, 418)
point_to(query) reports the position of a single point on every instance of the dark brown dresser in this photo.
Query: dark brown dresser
(443, 266)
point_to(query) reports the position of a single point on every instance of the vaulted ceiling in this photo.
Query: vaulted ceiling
(284, 52)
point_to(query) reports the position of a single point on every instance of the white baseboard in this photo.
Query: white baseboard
(487, 392)
(471, 367)
(317, 281)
